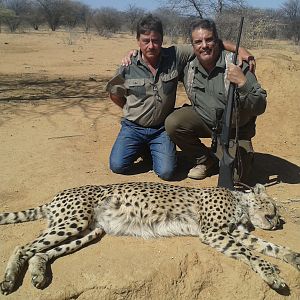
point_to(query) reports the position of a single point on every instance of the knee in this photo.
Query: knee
(117, 166)
(165, 171)
(171, 125)
(166, 174)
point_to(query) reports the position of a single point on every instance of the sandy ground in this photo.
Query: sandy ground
(57, 133)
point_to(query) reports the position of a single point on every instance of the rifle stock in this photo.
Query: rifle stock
(227, 161)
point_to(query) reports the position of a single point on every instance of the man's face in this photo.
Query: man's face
(150, 45)
(205, 45)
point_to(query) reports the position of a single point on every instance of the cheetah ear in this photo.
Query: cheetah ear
(259, 188)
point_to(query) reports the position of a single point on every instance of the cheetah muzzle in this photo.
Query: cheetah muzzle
(219, 217)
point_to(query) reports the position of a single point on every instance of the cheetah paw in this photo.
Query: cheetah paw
(38, 280)
(278, 284)
(270, 274)
(37, 268)
(294, 259)
(6, 287)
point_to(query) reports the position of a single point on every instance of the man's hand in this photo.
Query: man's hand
(244, 54)
(126, 60)
(236, 75)
(120, 101)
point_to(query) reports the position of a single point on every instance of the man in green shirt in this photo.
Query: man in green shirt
(206, 80)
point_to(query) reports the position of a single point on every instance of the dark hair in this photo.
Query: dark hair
(204, 24)
(149, 23)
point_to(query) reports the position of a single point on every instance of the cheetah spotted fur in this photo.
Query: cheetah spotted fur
(219, 217)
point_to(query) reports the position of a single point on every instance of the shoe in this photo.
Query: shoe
(203, 170)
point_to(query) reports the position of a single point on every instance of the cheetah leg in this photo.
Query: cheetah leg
(267, 248)
(38, 263)
(22, 254)
(14, 267)
(224, 242)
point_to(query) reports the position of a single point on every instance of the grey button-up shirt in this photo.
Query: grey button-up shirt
(207, 92)
(150, 99)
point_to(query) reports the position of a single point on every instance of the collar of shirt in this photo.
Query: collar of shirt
(219, 64)
(140, 60)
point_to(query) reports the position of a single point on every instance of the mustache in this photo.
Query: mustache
(206, 50)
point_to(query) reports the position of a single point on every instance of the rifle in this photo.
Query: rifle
(227, 161)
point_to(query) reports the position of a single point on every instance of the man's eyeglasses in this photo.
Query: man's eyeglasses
(200, 43)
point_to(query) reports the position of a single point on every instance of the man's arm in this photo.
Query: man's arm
(116, 89)
(244, 54)
(252, 95)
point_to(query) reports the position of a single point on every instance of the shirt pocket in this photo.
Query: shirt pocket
(136, 87)
(169, 82)
(199, 87)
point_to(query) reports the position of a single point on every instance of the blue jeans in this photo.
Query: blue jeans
(132, 139)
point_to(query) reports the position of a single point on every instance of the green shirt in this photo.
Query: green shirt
(207, 92)
(150, 99)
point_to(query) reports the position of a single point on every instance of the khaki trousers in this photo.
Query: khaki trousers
(186, 128)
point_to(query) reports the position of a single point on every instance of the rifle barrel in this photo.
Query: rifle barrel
(226, 163)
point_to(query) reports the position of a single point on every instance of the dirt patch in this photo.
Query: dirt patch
(57, 132)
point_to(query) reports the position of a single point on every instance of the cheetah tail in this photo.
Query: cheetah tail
(30, 214)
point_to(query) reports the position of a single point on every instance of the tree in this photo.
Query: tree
(107, 20)
(188, 7)
(87, 17)
(73, 13)
(291, 9)
(174, 24)
(258, 25)
(9, 18)
(35, 16)
(202, 8)
(133, 14)
(13, 13)
(53, 11)
(20, 7)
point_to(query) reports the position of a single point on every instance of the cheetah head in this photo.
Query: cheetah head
(262, 209)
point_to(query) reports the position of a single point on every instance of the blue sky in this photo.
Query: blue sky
(152, 4)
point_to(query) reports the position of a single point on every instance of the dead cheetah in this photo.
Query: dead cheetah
(219, 217)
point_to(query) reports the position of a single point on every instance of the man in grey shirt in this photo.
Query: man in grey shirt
(146, 90)
(206, 80)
